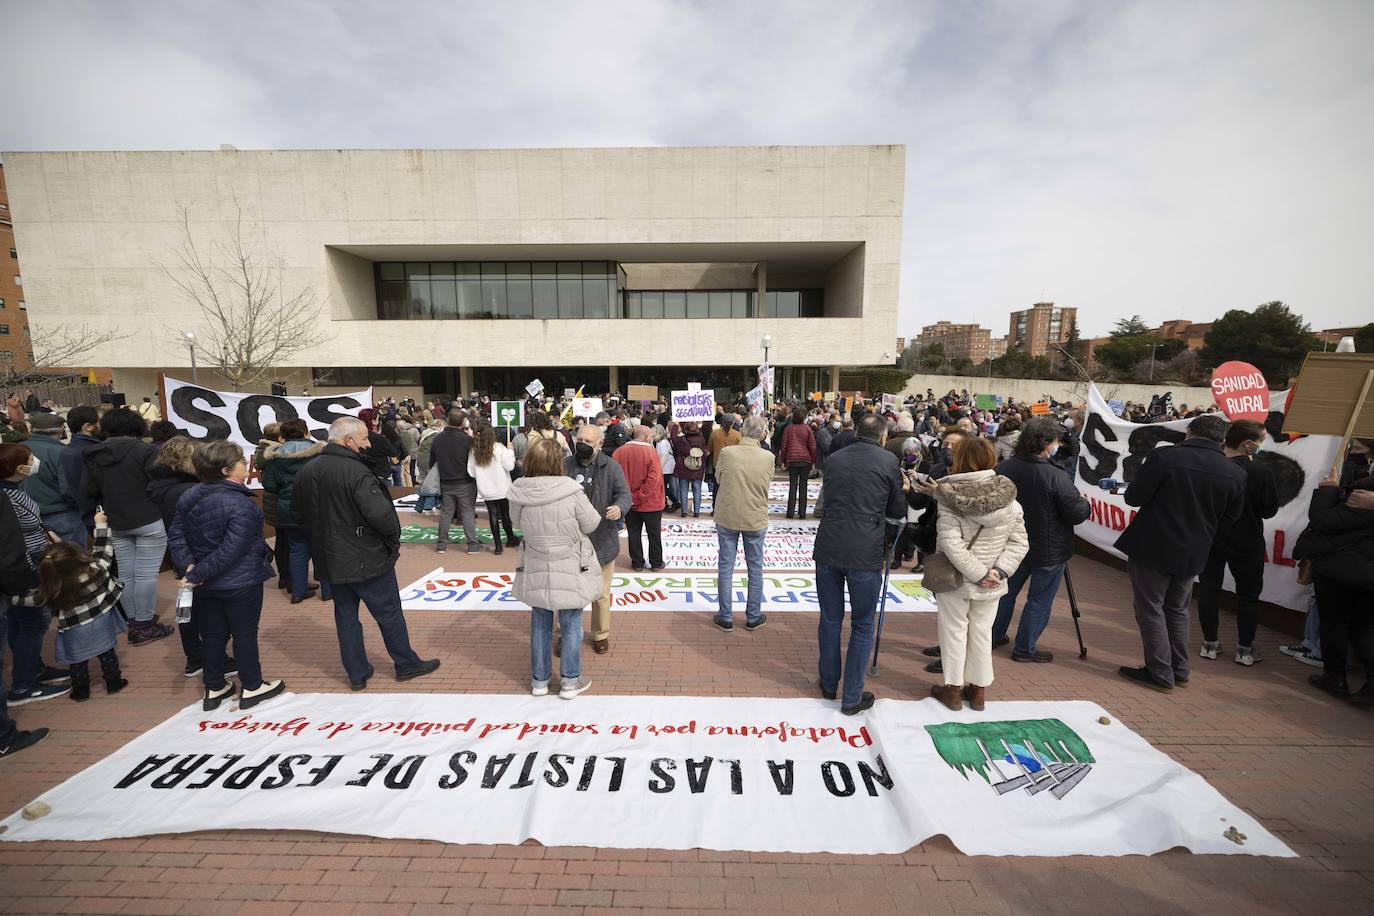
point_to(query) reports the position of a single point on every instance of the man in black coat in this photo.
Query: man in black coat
(15, 579)
(863, 488)
(457, 488)
(1185, 492)
(1241, 547)
(355, 539)
(1052, 506)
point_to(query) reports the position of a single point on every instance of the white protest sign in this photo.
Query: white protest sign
(1115, 448)
(766, 378)
(535, 388)
(694, 406)
(203, 413)
(587, 407)
(617, 772)
(440, 590)
(755, 398)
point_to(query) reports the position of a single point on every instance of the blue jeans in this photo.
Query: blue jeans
(541, 645)
(139, 553)
(1044, 585)
(300, 563)
(7, 726)
(864, 586)
(26, 628)
(1312, 632)
(424, 502)
(383, 599)
(684, 487)
(68, 525)
(395, 475)
(727, 540)
(220, 615)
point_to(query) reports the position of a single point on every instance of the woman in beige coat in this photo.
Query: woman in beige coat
(983, 533)
(558, 569)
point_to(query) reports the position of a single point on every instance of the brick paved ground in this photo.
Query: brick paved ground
(1296, 760)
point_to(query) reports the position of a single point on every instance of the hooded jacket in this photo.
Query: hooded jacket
(74, 470)
(218, 527)
(1339, 539)
(559, 568)
(49, 487)
(165, 486)
(980, 500)
(280, 464)
(117, 478)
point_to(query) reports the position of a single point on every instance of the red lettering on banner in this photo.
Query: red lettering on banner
(1277, 557)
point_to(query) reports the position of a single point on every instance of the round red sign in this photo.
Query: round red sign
(1241, 391)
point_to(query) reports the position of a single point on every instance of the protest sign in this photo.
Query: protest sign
(1116, 448)
(986, 401)
(1118, 407)
(1040, 408)
(755, 398)
(202, 413)
(587, 407)
(1240, 391)
(766, 775)
(831, 395)
(569, 392)
(694, 406)
(439, 590)
(508, 413)
(766, 378)
(535, 388)
(889, 402)
(643, 393)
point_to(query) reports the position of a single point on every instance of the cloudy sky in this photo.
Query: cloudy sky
(1172, 159)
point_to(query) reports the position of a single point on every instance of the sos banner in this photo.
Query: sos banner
(1115, 448)
(205, 414)
(618, 772)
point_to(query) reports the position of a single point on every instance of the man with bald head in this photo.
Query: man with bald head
(355, 539)
(644, 476)
(604, 483)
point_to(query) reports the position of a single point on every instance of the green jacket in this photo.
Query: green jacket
(281, 462)
(49, 487)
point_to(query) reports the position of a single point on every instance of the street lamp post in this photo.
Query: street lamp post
(191, 345)
(1153, 347)
(767, 345)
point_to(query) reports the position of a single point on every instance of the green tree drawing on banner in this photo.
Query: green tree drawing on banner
(957, 743)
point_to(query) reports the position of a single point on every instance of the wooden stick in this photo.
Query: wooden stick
(1350, 427)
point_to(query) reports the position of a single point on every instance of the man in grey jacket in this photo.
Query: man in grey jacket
(604, 483)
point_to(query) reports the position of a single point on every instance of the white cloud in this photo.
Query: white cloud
(1168, 159)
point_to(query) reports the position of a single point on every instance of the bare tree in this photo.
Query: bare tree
(58, 347)
(251, 324)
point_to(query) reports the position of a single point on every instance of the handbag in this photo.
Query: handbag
(430, 485)
(939, 574)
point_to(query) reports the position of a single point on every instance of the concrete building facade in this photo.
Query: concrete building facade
(451, 270)
(1041, 328)
(963, 341)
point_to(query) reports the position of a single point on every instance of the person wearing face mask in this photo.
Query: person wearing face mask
(1241, 547)
(604, 483)
(33, 680)
(355, 539)
(457, 488)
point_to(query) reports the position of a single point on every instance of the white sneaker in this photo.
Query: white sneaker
(539, 688)
(1246, 655)
(1210, 649)
(1300, 653)
(577, 687)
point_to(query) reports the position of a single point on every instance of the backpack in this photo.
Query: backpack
(694, 458)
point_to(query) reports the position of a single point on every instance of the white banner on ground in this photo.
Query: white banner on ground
(768, 775)
(440, 590)
(1115, 448)
(693, 544)
(239, 417)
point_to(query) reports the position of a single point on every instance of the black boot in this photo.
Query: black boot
(496, 541)
(81, 682)
(109, 668)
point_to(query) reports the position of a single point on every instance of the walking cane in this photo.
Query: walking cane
(1073, 606)
(882, 604)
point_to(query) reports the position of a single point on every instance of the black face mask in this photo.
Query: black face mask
(584, 452)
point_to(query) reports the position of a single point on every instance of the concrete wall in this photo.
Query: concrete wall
(844, 290)
(93, 226)
(1059, 389)
(689, 276)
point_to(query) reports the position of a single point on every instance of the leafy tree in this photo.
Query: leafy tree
(961, 365)
(1129, 327)
(1272, 338)
(1071, 343)
(1364, 339)
(1017, 363)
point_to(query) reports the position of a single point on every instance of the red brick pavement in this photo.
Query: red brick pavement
(1293, 758)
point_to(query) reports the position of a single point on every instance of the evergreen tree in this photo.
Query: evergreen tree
(1272, 338)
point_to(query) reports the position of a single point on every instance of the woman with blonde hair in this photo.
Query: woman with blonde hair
(490, 463)
(982, 532)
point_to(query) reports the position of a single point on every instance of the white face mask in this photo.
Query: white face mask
(29, 470)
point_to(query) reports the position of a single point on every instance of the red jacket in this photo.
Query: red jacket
(643, 473)
(798, 444)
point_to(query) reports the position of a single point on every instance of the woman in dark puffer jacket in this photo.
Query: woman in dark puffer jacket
(1339, 543)
(217, 538)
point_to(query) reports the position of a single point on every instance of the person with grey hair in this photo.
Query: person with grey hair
(1184, 492)
(355, 540)
(604, 483)
(743, 473)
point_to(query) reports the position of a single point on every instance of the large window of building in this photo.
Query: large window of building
(724, 303)
(446, 290)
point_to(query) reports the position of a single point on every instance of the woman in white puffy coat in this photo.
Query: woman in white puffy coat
(982, 531)
(558, 570)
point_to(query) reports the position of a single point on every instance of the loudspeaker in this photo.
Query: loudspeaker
(279, 389)
(116, 398)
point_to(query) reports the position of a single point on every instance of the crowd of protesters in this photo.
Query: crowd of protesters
(980, 495)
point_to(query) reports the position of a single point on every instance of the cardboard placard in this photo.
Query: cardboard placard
(643, 393)
(1328, 393)
(1040, 409)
